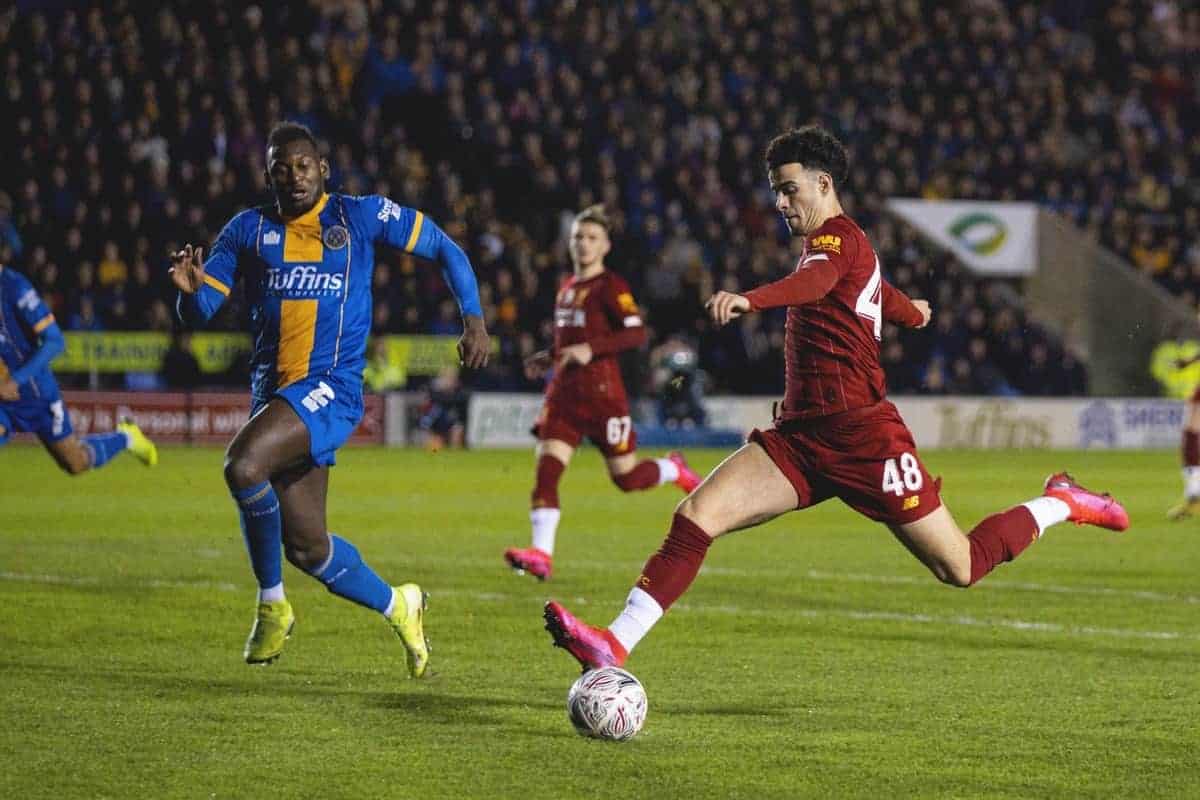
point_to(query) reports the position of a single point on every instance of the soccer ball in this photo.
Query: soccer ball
(607, 703)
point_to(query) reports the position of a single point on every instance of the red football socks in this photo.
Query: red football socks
(643, 476)
(671, 570)
(1191, 449)
(545, 490)
(1000, 537)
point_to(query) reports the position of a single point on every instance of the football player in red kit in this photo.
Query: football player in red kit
(595, 318)
(837, 434)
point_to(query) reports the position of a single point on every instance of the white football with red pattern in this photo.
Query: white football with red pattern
(607, 703)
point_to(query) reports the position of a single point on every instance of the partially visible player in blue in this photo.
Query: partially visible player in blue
(29, 400)
(307, 263)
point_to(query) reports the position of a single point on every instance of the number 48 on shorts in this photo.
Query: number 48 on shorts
(905, 477)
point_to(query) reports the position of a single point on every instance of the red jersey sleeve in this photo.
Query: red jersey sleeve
(823, 264)
(898, 308)
(626, 318)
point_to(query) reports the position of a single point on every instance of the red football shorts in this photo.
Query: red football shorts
(866, 457)
(608, 425)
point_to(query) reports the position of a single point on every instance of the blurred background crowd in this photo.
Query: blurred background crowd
(134, 128)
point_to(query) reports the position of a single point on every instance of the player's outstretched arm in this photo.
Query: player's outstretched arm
(203, 284)
(411, 231)
(34, 313)
(898, 308)
(723, 307)
(51, 346)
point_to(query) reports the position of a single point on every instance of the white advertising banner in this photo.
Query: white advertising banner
(502, 420)
(991, 238)
(975, 423)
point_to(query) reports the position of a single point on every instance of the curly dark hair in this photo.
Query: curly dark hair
(812, 146)
(286, 132)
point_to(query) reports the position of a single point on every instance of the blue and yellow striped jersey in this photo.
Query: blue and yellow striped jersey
(308, 281)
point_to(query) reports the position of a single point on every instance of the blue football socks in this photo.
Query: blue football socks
(262, 529)
(105, 446)
(345, 574)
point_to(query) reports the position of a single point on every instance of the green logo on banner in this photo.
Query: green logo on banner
(982, 234)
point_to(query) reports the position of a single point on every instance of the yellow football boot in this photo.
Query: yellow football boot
(1187, 507)
(139, 444)
(271, 629)
(407, 620)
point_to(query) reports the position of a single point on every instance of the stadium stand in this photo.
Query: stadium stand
(135, 127)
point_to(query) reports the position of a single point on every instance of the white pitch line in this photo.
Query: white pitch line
(153, 583)
(989, 584)
(808, 613)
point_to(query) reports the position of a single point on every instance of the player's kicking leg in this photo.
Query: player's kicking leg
(553, 456)
(632, 475)
(963, 559)
(1189, 505)
(746, 489)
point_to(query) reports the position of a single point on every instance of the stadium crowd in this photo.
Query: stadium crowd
(134, 128)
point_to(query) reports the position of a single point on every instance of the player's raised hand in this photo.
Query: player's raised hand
(187, 269)
(580, 354)
(725, 306)
(926, 312)
(475, 345)
(538, 364)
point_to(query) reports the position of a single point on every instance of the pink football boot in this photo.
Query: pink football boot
(592, 647)
(1087, 507)
(537, 563)
(687, 480)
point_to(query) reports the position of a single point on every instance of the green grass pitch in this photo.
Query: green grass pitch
(814, 657)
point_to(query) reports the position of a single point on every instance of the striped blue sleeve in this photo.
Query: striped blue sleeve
(411, 231)
(220, 272)
(52, 343)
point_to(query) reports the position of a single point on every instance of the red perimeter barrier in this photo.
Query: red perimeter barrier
(195, 417)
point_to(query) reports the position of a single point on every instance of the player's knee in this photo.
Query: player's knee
(242, 472)
(306, 557)
(75, 465)
(956, 575)
(695, 510)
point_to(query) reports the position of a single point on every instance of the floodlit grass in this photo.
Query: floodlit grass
(814, 657)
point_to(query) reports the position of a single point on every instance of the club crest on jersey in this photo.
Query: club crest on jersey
(271, 237)
(827, 242)
(627, 303)
(336, 237)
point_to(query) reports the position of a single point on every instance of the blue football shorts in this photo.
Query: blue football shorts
(47, 417)
(330, 406)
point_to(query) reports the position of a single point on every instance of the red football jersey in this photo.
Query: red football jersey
(832, 343)
(600, 311)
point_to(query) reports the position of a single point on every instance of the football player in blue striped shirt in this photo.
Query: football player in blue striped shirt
(306, 263)
(29, 398)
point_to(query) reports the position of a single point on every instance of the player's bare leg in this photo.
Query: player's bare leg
(75, 454)
(70, 455)
(962, 559)
(1190, 447)
(746, 489)
(552, 457)
(632, 474)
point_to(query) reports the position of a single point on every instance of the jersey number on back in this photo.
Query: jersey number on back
(868, 305)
